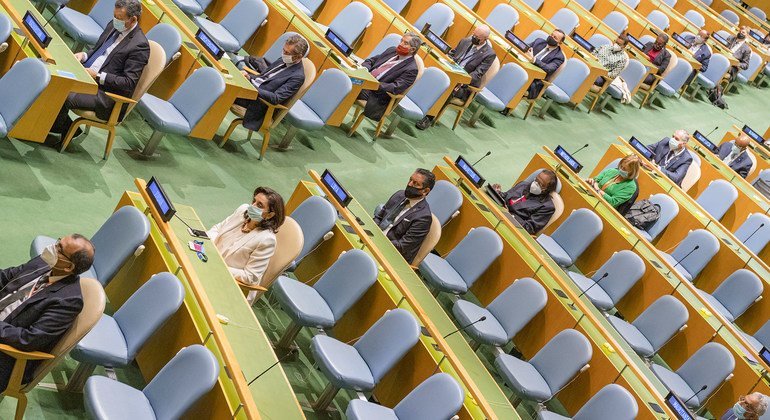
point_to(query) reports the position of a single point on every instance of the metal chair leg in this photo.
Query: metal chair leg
(79, 377)
(545, 107)
(152, 144)
(326, 398)
(288, 336)
(287, 138)
(393, 125)
(476, 115)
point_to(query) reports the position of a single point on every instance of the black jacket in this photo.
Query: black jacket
(551, 61)
(743, 54)
(38, 323)
(396, 81)
(661, 60)
(677, 167)
(276, 89)
(533, 212)
(480, 61)
(410, 230)
(702, 54)
(741, 165)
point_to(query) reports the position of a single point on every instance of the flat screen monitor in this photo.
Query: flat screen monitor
(678, 38)
(756, 35)
(160, 200)
(516, 41)
(469, 171)
(583, 42)
(635, 42)
(641, 148)
(568, 160)
(704, 141)
(677, 406)
(338, 43)
(37, 31)
(719, 38)
(338, 192)
(437, 41)
(764, 354)
(753, 134)
(209, 44)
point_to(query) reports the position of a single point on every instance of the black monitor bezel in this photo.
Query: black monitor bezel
(171, 209)
(342, 201)
(561, 158)
(347, 52)
(43, 42)
(203, 43)
(481, 179)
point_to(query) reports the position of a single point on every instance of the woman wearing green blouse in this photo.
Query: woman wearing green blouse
(617, 185)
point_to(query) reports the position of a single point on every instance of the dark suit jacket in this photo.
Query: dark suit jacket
(549, 62)
(534, 212)
(396, 81)
(677, 167)
(276, 89)
(480, 62)
(702, 54)
(741, 165)
(410, 230)
(39, 323)
(661, 60)
(743, 55)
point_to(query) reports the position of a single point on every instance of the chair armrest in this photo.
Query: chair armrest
(120, 99)
(120, 103)
(249, 70)
(279, 106)
(248, 286)
(474, 89)
(394, 96)
(24, 355)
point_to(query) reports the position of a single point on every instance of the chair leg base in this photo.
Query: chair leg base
(392, 127)
(287, 138)
(287, 339)
(79, 377)
(326, 398)
(152, 144)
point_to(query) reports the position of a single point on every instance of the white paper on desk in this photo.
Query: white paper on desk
(65, 73)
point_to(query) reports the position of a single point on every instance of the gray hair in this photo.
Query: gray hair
(133, 8)
(683, 134)
(414, 41)
(762, 405)
(299, 43)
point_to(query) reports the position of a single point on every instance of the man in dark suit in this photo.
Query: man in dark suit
(658, 55)
(735, 154)
(39, 300)
(546, 54)
(406, 218)
(475, 55)
(530, 203)
(700, 48)
(116, 63)
(670, 155)
(280, 81)
(741, 51)
(395, 69)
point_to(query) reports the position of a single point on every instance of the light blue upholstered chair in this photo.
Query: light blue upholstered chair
(673, 82)
(735, 294)
(536, 34)
(566, 20)
(587, 4)
(654, 327)
(565, 84)
(496, 95)
(361, 366)
(5, 31)
(192, 7)
(23, 82)
(180, 383)
(115, 340)
(717, 198)
(350, 22)
(439, 16)
(669, 209)
(731, 16)
(276, 50)
(86, 29)
(503, 18)
(696, 18)
(617, 21)
(572, 237)
(632, 3)
(168, 38)
(670, 3)
(534, 4)
(420, 98)
(689, 267)
(308, 7)
(240, 23)
(551, 369)
(323, 304)
(471, 4)
(759, 13)
(611, 402)
(712, 365)
(759, 339)
(467, 261)
(633, 75)
(505, 316)
(718, 67)
(316, 216)
(186, 107)
(659, 19)
(754, 62)
(121, 236)
(438, 397)
(754, 232)
(597, 40)
(396, 5)
(444, 201)
(615, 278)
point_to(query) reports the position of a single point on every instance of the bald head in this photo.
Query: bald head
(742, 141)
(704, 34)
(481, 32)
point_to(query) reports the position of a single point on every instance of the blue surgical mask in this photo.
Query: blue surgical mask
(622, 173)
(735, 149)
(738, 410)
(118, 24)
(254, 213)
(673, 143)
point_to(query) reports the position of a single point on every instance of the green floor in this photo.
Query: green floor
(43, 191)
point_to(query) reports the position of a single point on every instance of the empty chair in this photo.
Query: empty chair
(467, 261)
(323, 304)
(438, 397)
(759, 13)
(717, 198)
(505, 316)
(633, 75)
(670, 3)
(710, 366)
(396, 5)
(731, 16)
(86, 29)
(674, 80)
(659, 19)
(308, 7)
(745, 74)
(668, 211)
(444, 200)
(115, 340)
(503, 18)
(24, 82)
(192, 7)
(693, 253)
(361, 366)
(566, 20)
(696, 18)
(240, 23)
(167, 37)
(316, 217)
(654, 327)
(439, 16)
(121, 236)
(188, 376)
(632, 3)
(565, 84)
(759, 339)
(754, 232)
(597, 40)
(420, 98)
(612, 280)
(735, 294)
(5, 32)
(551, 369)
(184, 110)
(471, 4)
(534, 4)
(500, 91)
(709, 79)
(572, 237)
(350, 22)
(617, 21)
(587, 4)
(612, 402)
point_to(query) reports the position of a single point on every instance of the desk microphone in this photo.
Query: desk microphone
(688, 254)
(578, 150)
(482, 158)
(752, 233)
(281, 359)
(595, 283)
(53, 16)
(483, 318)
(715, 129)
(703, 388)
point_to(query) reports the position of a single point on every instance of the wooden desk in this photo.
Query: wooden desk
(240, 344)
(744, 16)
(67, 74)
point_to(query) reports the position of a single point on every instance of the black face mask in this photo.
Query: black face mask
(551, 41)
(412, 192)
(741, 35)
(475, 40)
(657, 47)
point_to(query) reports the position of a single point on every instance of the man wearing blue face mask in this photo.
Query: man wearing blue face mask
(115, 62)
(736, 155)
(670, 155)
(749, 407)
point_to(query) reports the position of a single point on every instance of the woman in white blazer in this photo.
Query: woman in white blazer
(246, 238)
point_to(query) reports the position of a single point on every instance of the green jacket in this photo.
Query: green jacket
(619, 193)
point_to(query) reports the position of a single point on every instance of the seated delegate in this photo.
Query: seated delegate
(735, 154)
(748, 407)
(530, 202)
(670, 155)
(617, 185)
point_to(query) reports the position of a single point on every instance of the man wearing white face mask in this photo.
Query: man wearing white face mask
(612, 57)
(530, 202)
(40, 299)
(700, 50)
(670, 155)
(735, 154)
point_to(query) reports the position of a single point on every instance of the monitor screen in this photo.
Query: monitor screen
(677, 406)
(567, 158)
(635, 42)
(764, 354)
(437, 41)
(756, 35)
(678, 38)
(339, 193)
(468, 170)
(704, 141)
(719, 38)
(641, 148)
(338, 43)
(583, 42)
(160, 200)
(209, 44)
(37, 31)
(516, 41)
(753, 134)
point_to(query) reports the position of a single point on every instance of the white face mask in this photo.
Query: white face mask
(673, 144)
(535, 189)
(616, 48)
(49, 255)
(118, 24)
(287, 59)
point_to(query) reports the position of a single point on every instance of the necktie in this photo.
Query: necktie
(383, 68)
(102, 49)
(390, 217)
(468, 55)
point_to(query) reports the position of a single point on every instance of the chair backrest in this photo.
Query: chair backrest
(309, 69)
(396, 5)
(678, 75)
(576, 233)
(244, 19)
(102, 12)
(490, 74)
(597, 40)
(471, 4)
(696, 18)
(753, 159)
(612, 402)
(632, 3)
(189, 375)
(387, 341)
(562, 358)
(311, 5)
(198, 93)
(93, 308)
(351, 21)
(509, 80)
(633, 74)
(167, 37)
(759, 13)
(670, 3)
(669, 209)
(754, 62)
(617, 21)
(623, 270)
(430, 241)
(440, 17)
(515, 306)
(649, 38)
(327, 92)
(154, 67)
(711, 365)
(475, 253)
(117, 240)
(659, 19)
(390, 40)
(275, 51)
(444, 201)
(534, 4)
(536, 34)
(739, 291)
(426, 91)
(571, 76)
(708, 246)
(763, 335)
(316, 218)
(693, 171)
(661, 320)
(288, 244)
(566, 20)
(23, 82)
(587, 4)
(147, 309)
(5, 27)
(718, 66)
(752, 235)
(502, 18)
(730, 16)
(346, 281)
(717, 198)
(420, 67)
(438, 397)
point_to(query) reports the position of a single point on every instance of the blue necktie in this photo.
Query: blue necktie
(102, 49)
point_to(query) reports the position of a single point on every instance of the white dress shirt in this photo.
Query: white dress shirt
(412, 202)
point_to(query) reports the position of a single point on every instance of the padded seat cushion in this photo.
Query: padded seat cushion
(409, 110)
(676, 384)
(523, 378)
(547, 415)
(704, 81)
(79, 26)
(753, 341)
(91, 115)
(104, 345)
(614, 92)
(665, 89)
(557, 94)
(596, 294)
(42, 241)
(108, 399)
(364, 410)
(303, 303)
(633, 336)
(717, 305)
(341, 364)
(644, 234)
(440, 274)
(555, 250)
(742, 79)
(487, 331)
(681, 270)
(163, 116)
(191, 7)
(301, 116)
(221, 35)
(487, 99)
